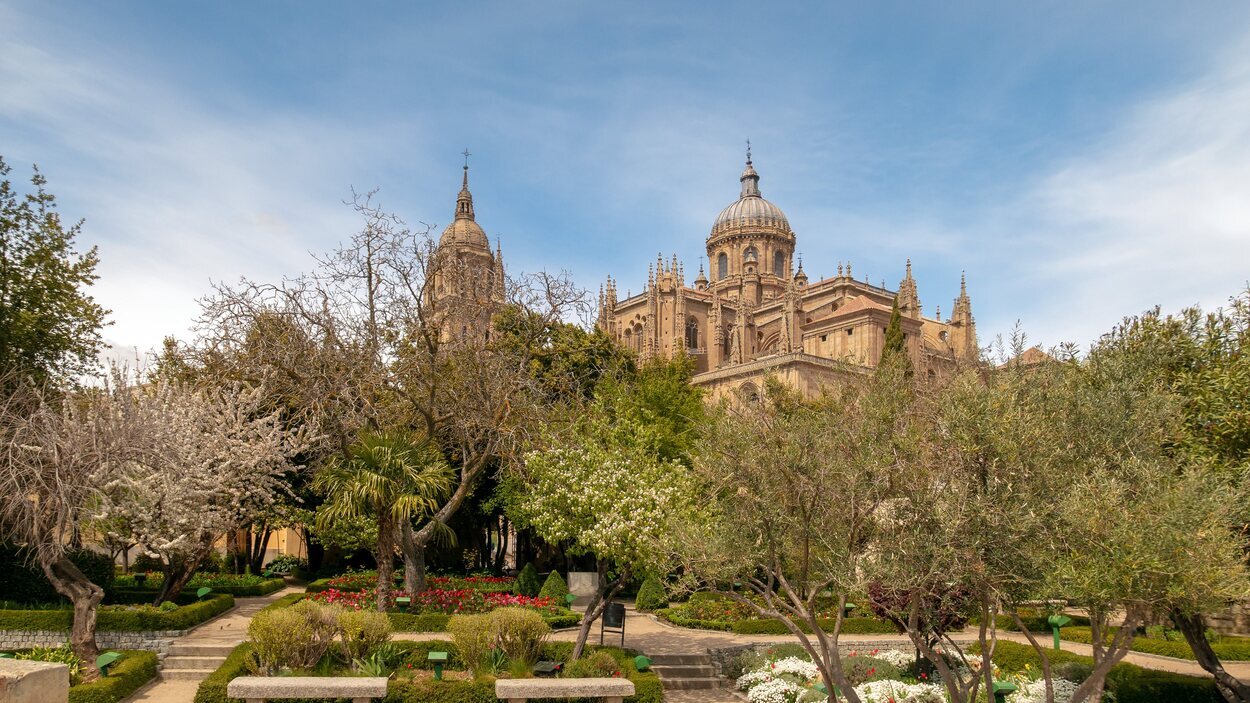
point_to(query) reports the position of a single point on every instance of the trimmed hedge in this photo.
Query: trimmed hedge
(283, 602)
(647, 686)
(651, 596)
(1228, 649)
(121, 618)
(850, 626)
(127, 675)
(437, 622)
(1129, 683)
(146, 595)
(1033, 621)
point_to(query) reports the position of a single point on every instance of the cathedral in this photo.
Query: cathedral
(758, 316)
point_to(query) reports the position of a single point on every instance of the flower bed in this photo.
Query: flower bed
(711, 611)
(430, 610)
(364, 580)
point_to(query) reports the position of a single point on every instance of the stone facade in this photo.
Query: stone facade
(758, 316)
(1233, 621)
(152, 640)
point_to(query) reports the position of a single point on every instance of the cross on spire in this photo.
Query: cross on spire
(748, 150)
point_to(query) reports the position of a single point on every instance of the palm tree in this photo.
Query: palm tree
(393, 479)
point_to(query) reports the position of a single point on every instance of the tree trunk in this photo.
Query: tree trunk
(414, 560)
(178, 574)
(1194, 629)
(603, 596)
(386, 558)
(71, 582)
(259, 545)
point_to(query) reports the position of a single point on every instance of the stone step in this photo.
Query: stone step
(688, 684)
(680, 659)
(178, 649)
(677, 671)
(185, 674)
(181, 661)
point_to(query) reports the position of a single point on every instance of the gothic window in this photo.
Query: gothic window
(728, 344)
(779, 264)
(722, 267)
(692, 333)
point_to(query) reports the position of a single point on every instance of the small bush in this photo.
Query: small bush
(125, 676)
(55, 655)
(287, 564)
(472, 637)
(862, 669)
(592, 665)
(652, 595)
(527, 583)
(292, 638)
(783, 650)
(1076, 672)
(519, 632)
(554, 588)
(749, 660)
(361, 632)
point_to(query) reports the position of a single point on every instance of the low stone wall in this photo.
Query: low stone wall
(1233, 621)
(153, 640)
(33, 682)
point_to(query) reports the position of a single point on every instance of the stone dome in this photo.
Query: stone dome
(465, 230)
(751, 210)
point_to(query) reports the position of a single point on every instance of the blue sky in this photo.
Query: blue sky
(1082, 161)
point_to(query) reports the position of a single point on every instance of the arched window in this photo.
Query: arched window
(779, 264)
(750, 392)
(692, 333)
(722, 267)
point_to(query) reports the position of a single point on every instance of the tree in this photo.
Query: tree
(894, 351)
(57, 453)
(49, 323)
(372, 346)
(391, 478)
(792, 494)
(604, 497)
(220, 461)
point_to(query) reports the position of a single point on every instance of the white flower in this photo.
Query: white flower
(796, 666)
(753, 678)
(774, 691)
(896, 657)
(1035, 692)
(899, 692)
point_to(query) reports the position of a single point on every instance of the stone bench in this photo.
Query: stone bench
(521, 690)
(258, 689)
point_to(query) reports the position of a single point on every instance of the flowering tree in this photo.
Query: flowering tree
(57, 452)
(604, 497)
(214, 460)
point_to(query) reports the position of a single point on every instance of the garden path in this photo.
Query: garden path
(194, 656)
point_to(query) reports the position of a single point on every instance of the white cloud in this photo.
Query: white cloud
(1158, 212)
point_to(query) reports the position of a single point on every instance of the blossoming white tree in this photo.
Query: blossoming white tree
(215, 459)
(606, 498)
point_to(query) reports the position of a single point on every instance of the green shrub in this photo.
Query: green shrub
(292, 638)
(418, 654)
(862, 669)
(680, 616)
(286, 601)
(527, 583)
(118, 618)
(1226, 648)
(554, 588)
(56, 655)
(361, 632)
(519, 632)
(125, 676)
(592, 665)
(426, 691)
(652, 595)
(474, 641)
(423, 622)
(749, 660)
(287, 564)
(850, 626)
(781, 650)
(1129, 683)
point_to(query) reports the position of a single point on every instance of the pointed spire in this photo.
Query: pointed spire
(963, 284)
(749, 178)
(908, 276)
(464, 201)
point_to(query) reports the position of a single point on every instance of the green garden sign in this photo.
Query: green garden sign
(104, 661)
(1001, 690)
(1056, 622)
(642, 663)
(203, 591)
(439, 659)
